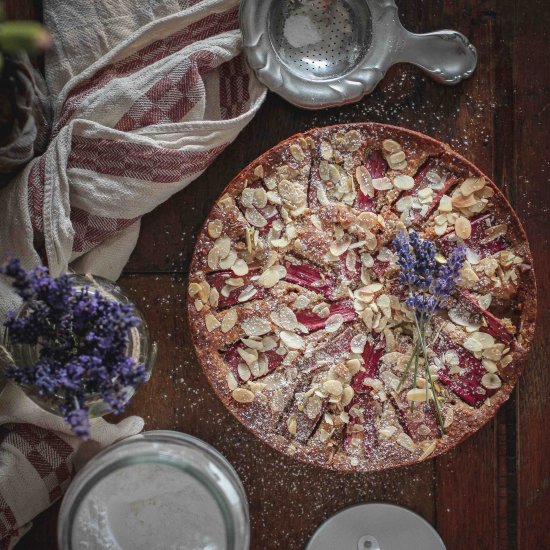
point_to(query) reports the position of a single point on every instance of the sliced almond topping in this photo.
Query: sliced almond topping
(297, 152)
(463, 228)
(338, 247)
(333, 387)
(285, 318)
(215, 228)
(256, 326)
(260, 198)
(491, 381)
(403, 182)
(229, 260)
(460, 201)
(326, 150)
(334, 322)
(211, 322)
(244, 372)
(229, 320)
(292, 340)
(255, 218)
(231, 381)
(247, 293)
(358, 343)
(391, 146)
(417, 395)
(240, 268)
(259, 171)
(445, 204)
(226, 201)
(242, 395)
(193, 289)
(471, 185)
(213, 258)
(382, 184)
(396, 158)
(270, 277)
(429, 448)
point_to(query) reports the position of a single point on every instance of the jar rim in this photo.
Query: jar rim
(106, 462)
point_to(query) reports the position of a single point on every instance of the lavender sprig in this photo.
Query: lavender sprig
(430, 287)
(82, 338)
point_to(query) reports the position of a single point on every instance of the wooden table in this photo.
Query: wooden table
(493, 490)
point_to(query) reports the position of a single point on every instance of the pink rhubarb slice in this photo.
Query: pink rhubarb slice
(233, 359)
(477, 242)
(313, 322)
(371, 363)
(423, 414)
(467, 383)
(423, 179)
(310, 277)
(217, 280)
(494, 327)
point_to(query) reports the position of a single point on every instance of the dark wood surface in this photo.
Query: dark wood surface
(493, 491)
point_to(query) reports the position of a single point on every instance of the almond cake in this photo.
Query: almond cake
(298, 315)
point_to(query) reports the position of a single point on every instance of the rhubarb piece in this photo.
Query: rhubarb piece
(377, 167)
(313, 322)
(218, 279)
(494, 327)
(367, 411)
(432, 174)
(310, 277)
(419, 423)
(233, 359)
(466, 382)
(371, 363)
(478, 242)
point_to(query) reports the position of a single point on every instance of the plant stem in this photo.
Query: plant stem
(429, 375)
(409, 363)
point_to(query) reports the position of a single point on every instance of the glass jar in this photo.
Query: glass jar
(140, 347)
(157, 490)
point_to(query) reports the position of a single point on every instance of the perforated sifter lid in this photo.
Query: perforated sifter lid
(376, 526)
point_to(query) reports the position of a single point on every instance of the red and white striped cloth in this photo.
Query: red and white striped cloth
(145, 94)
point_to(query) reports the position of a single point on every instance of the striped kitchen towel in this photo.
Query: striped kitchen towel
(145, 95)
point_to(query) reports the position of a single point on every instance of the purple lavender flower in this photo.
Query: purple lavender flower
(429, 285)
(83, 341)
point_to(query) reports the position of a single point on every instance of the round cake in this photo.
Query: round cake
(361, 297)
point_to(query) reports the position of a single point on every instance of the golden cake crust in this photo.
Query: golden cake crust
(299, 161)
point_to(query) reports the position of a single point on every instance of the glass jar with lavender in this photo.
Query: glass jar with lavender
(78, 345)
(157, 490)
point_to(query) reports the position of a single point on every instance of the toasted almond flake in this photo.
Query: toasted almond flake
(214, 297)
(283, 242)
(322, 196)
(292, 193)
(231, 381)
(338, 247)
(353, 366)
(292, 425)
(255, 218)
(215, 228)
(292, 340)
(471, 185)
(260, 198)
(297, 152)
(194, 288)
(247, 293)
(228, 261)
(429, 448)
(506, 360)
(382, 184)
(373, 288)
(334, 322)
(391, 146)
(334, 173)
(364, 180)
(405, 441)
(244, 372)
(473, 345)
(485, 340)
(460, 201)
(256, 326)
(396, 158)
(403, 182)
(490, 366)
(326, 150)
(495, 232)
(440, 229)
(229, 320)
(352, 140)
(247, 197)
(491, 381)
(463, 227)
(248, 355)
(425, 193)
(270, 277)
(416, 395)
(226, 201)
(285, 318)
(358, 343)
(240, 267)
(333, 387)
(398, 166)
(445, 204)
(211, 322)
(213, 258)
(242, 395)
(259, 171)
(324, 172)
(235, 282)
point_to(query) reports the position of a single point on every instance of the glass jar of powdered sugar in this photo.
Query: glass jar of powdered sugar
(160, 490)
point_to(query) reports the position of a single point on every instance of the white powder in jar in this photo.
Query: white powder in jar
(148, 506)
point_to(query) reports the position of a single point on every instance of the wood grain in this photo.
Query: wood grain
(492, 492)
